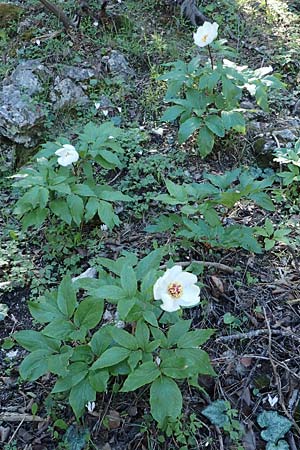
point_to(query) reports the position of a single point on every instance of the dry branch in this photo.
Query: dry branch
(58, 12)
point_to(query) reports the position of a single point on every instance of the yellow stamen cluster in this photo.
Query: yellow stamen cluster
(175, 289)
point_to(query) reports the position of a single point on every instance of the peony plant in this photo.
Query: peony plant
(62, 182)
(205, 98)
(152, 346)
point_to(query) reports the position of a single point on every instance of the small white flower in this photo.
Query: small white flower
(97, 105)
(96, 23)
(91, 272)
(67, 155)
(120, 324)
(103, 227)
(105, 112)
(176, 289)
(206, 34)
(38, 42)
(12, 354)
(90, 406)
(272, 400)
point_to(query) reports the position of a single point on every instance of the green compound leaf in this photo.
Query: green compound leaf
(142, 334)
(123, 338)
(165, 400)
(75, 204)
(91, 208)
(59, 328)
(195, 338)
(76, 373)
(144, 374)
(60, 208)
(215, 124)
(34, 340)
(45, 309)
(80, 395)
(34, 365)
(276, 426)
(177, 330)
(125, 306)
(172, 113)
(151, 261)
(35, 218)
(111, 357)
(99, 379)
(106, 214)
(234, 120)
(187, 128)
(66, 297)
(128, 280)
(205, 141)
(89, 312)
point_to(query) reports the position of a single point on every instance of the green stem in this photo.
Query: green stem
(210, 57)
(160, 316)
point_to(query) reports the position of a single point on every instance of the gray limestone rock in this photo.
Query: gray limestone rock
(67, 94)
(20, 113)
(20, 116)
(77, 73)
(26, 76)
(118, 65)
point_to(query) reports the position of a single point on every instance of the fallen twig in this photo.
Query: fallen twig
(255, 333)
(19, 417)
(216, 265)
(276, 374)
(58, 12)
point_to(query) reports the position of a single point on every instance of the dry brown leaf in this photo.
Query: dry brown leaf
(246, 361)
(217, 283)
(114, 419)
(4, 433)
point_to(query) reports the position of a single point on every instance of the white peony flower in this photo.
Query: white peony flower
(206, 34)
(67, 155)
(176, 289)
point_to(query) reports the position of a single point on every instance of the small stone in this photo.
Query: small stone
(285, 135)
(247, 105)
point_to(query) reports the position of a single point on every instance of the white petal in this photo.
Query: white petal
(69, 148)
(190, 296)
(169, 304)
(61, 152)
(187, 278)
(157, 290)
(172, 274)
(66, 160)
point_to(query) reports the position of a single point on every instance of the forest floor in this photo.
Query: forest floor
(254, 308)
